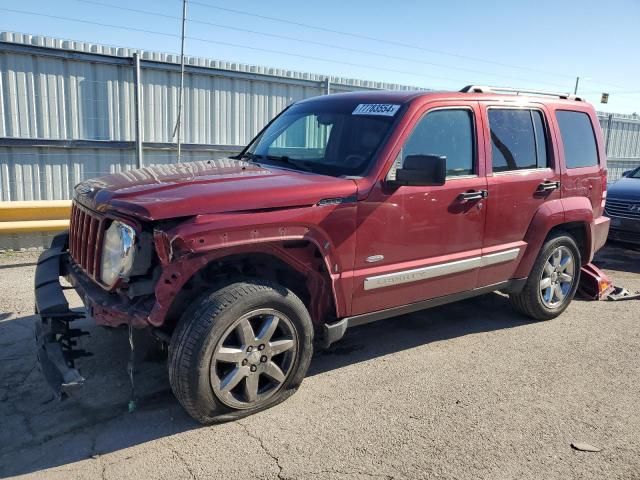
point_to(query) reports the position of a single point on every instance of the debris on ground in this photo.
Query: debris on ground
(620, 293)
(594, 283)
(585, 447)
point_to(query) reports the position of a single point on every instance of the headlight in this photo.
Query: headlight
(117, 252)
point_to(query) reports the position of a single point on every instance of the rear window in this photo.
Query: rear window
(578, 139)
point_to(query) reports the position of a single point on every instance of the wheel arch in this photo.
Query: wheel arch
(580, 232)
(573, 215)
(296, 264)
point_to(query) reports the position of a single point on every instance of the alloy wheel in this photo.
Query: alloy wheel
(253, 358)
(557, 277)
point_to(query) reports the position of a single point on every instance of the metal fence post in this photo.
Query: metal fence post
(137, 89)
(606, 140)
(328, 86)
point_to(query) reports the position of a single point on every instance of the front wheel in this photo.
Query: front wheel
(553, 280)
(240, 349)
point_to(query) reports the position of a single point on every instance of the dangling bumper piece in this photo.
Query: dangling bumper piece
(56, 340)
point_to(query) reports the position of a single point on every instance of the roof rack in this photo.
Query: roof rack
(518, 91)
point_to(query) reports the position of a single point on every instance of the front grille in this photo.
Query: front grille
(623, 208)
(86, 231)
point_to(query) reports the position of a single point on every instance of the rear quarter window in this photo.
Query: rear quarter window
(578, 139)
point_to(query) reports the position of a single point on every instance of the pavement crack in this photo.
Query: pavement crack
(19, 383)
(275, 458)
(43, 436)
(15, 357)
(26, 421)
(92, 450)
(356, 472)
(184, 461)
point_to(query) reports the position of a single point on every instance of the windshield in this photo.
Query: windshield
(634, 174)
(326, 137)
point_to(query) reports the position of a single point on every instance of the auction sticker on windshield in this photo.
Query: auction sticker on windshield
(385, 109)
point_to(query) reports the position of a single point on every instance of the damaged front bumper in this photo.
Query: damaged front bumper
(56, 340)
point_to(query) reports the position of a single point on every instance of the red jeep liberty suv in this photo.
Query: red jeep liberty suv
(345, 209)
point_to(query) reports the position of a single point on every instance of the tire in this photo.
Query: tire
(534, 300)
(211, 348)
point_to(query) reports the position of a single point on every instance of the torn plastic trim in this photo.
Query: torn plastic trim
(621, 293)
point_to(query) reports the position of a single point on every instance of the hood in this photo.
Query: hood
(627, 188)
(215, 186)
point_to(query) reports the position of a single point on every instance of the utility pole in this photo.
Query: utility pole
(137, 95)
(177, 129)
(575, 90)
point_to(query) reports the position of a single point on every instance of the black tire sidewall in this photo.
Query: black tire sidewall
(536, 273)
(268, 295)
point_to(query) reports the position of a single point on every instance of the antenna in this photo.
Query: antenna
(176, 130)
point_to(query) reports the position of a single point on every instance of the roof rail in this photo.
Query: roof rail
(518, 91)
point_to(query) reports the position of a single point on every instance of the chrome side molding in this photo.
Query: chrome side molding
(500, 257)
(433, 271)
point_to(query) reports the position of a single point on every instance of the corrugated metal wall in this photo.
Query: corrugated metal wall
(32, 173)
(54, 98)
(68, 113)
(67, 109)
(622, 134)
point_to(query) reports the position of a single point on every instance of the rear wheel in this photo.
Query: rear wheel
(553, 280)
(239, 350)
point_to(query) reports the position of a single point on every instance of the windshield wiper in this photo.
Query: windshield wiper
(251, 156)
(254, 157)
(288, 161)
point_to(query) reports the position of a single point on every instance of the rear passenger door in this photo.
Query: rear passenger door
(522, 175)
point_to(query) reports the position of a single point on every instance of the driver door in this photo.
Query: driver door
(417, 243)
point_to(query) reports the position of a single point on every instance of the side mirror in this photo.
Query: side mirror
(422, 171)
(627, 173)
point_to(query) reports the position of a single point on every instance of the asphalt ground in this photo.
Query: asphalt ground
(471, 390)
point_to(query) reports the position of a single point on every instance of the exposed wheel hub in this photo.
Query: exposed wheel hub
(254, 357)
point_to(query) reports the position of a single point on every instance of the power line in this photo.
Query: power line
(310, 57)
(375, 39)
(313, 42)
(181, 98)
(214, 42)
(392, 42)
(627, 92)
(229, 44)
(88, 22)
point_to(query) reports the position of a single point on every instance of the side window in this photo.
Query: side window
(444, 132)
(578, 139)
(518, 139)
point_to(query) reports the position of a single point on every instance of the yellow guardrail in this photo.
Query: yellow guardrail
(34, 216)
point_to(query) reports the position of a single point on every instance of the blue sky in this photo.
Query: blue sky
(543, 44)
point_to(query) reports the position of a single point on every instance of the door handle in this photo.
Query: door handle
(548, 186)
(473, 195)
